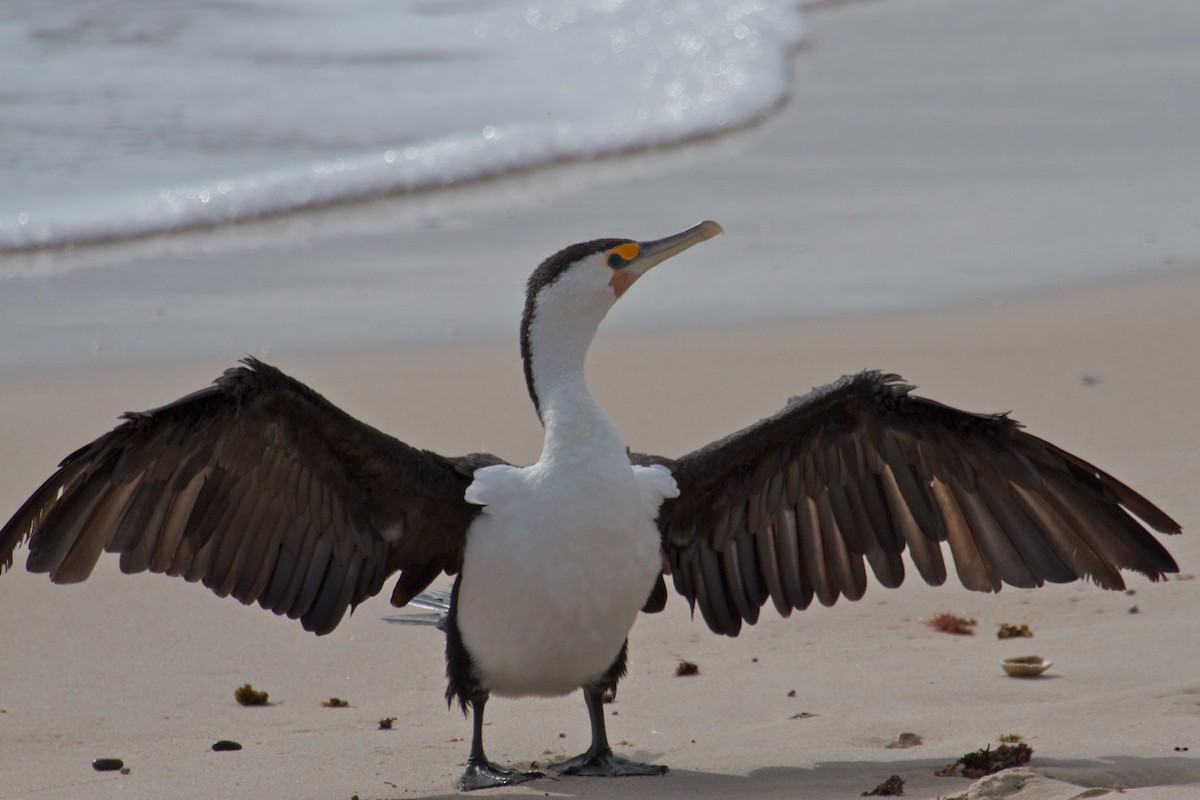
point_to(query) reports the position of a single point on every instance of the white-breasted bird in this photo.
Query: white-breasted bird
(263, 490)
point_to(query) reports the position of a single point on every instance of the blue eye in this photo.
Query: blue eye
(615, 260)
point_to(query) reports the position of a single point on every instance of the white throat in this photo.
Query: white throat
(561, 331)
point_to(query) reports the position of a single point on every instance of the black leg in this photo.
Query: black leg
(599, 759)
(481, 773)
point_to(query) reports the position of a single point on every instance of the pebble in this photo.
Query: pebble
(225, 745)
(107, 764)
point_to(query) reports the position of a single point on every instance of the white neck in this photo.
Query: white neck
(576, 426)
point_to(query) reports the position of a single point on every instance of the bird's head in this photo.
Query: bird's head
(595, 274)
(570, 292)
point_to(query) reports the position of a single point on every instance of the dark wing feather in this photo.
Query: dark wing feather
(791, 507)
(259, 488)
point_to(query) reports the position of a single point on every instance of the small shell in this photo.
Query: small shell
(1026, 666)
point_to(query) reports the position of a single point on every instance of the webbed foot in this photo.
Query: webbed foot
(605, 765)
(485, 774)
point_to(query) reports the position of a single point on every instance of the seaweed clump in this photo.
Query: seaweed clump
(952, 623)
(892, 787)
(978, 763)
(1010, 631)
(247, 695)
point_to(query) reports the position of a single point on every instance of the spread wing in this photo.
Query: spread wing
(855, 473)
(261, 489)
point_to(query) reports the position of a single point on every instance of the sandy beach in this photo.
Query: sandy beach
(143, 668)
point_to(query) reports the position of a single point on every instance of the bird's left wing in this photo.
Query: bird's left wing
(860, 470)
(260, 488)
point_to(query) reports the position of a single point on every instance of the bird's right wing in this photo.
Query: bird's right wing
(853, 474)
(261, 489)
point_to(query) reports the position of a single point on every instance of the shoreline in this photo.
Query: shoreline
(930, 154)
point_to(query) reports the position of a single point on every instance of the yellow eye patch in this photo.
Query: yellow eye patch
(627, 251)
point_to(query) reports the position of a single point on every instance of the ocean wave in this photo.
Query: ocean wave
(202, 115)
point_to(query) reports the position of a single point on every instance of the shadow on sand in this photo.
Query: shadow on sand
(852, 778)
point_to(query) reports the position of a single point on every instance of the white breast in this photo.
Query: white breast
(555, 571)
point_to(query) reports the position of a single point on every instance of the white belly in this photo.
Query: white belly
(550, 589)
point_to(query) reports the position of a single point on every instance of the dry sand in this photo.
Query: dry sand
(144, 667)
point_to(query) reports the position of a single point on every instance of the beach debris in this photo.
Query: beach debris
(385, 723)
(1025, 666)
(1009, 631)
(892, 787)
(906, 739)
(1181, 749)
(247, 695)
(335, 702)
(1133, 609)
(107, 764)
(1010, 738)
(952, 623)
(978, 763)
(686, 668)
(791, 692)
(226, 746)
(802, 715)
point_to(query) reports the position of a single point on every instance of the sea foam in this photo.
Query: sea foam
(132, 119)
